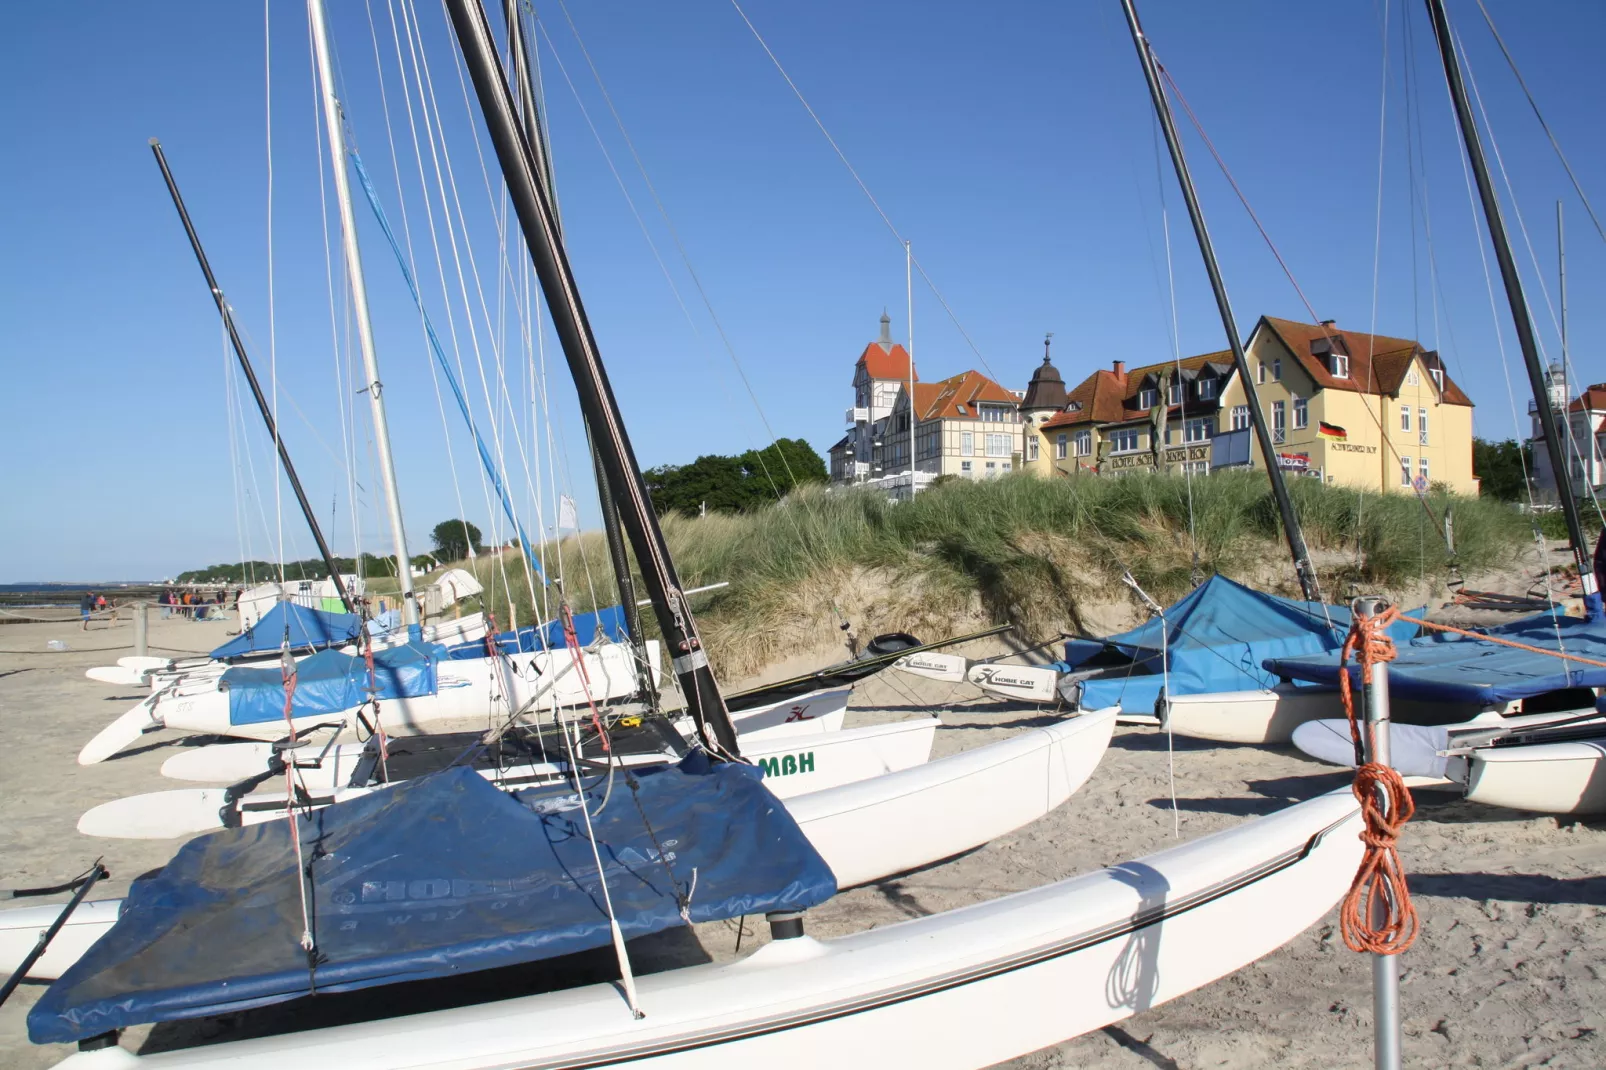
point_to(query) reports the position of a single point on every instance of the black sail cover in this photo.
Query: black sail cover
(434, 877)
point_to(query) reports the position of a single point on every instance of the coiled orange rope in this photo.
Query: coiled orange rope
(1377, 914)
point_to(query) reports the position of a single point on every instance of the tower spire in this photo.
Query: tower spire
(886, 331)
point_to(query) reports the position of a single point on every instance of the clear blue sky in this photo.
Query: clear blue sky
(1012, 143)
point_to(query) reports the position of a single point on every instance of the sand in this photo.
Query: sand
(1507, 972)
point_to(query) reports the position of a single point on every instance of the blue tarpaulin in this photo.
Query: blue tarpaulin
(329, 682)
(435, 877)
(308, 628)
(609, 621)
(1216, 638)
(1451, 668)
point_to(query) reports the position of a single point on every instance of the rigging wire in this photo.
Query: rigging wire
(273, 351)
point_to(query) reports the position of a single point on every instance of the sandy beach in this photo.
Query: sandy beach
(1507, 973)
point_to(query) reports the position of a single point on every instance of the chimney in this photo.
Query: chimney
(1120, 367)
(886, 331)
(1328, 323)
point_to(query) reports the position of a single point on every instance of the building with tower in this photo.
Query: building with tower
(1583, 433)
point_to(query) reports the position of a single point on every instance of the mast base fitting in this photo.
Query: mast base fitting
(785, 924)
(99, 1042)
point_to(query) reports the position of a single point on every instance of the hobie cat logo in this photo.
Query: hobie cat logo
(787, 764)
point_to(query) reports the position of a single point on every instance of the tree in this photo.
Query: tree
(735, 484)
(1499, 467)
(453, 538)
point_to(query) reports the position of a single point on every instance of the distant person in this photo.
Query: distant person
(86, 606)
(166, 602)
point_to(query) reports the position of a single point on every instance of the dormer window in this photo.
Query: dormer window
(961, 409)
(1438, 379)
(1207, 389)
(1176, 392)
(1339, 365)
(1148, 397)
(1073, 406)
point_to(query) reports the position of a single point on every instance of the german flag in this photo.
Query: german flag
(1327, 430)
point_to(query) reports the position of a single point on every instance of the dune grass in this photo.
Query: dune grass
(1019, 549)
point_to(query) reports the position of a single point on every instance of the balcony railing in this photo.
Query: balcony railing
(856, 415)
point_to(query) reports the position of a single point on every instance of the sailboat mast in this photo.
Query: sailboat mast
(909, 298)
(334, 124)
(1279, 488)
(251, 378)
(1519, 304)
(535, 135)
(533, 203)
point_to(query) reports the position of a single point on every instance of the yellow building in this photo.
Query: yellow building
(1354, 409)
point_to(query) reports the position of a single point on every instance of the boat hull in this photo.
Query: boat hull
(1035, 969)
(1550, 778)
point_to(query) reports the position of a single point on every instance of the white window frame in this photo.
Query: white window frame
(1412, 378)
(1241, 418)
(997, 445)
(1031, 448)
(967, 444)
(1279, 422)
(964, 466)
(1422, 426)
(1200, 430)
(1260, 374)
(1148, 397)
(1060, 442)
(1277, 370)
(1084, 443)
(1301, 413)
(1206, 389)
(1405, 470)
(1340, 366)
(1176, 393)
(1405, 418)
(1438, 379)
(1422, 469)
(1119, 438)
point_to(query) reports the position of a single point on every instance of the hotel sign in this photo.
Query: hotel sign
(1351, 447)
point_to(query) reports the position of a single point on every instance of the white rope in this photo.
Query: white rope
(273, 351)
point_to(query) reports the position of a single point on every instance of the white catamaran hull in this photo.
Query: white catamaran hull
(473, 691)
(1267, 716)
(793, 766)
(874, 829)
(954, 991)
(1551, 778)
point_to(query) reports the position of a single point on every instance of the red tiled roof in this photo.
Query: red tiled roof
(883, 363)
(1592, 399)
(1377, 363)
(941, 400)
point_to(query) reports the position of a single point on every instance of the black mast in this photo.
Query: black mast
(251, 377)
(1279, 489)
(532, 201)
(1519, 304)
(535, 135)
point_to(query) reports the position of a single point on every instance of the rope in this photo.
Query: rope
(287, 668)
(1377, 914)
(1496, 639)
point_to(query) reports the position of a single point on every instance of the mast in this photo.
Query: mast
(251, 377)
(535, 135)
(335, 125)
(1279, 488)
(533, 202)
(909, 294)
(1519, 306)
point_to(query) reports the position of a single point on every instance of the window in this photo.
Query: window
(1197, 468)
(1405, 418)
(967, 443)
(1301, 413)
(1405, 471)
(1422, 468)
(1279, 422)
(1124, 441)
(992, 466)
(1198, 430)
(1175, 393)
(1412, 378)
(1340, 366)
(1277, 369)
(964, 466)
(1084, 443)
(998, 445)
(1422, 426)
(1059, 444)
(1031, 448)
(961, 409)
(994, 414)
(1005, 466)
(1207, 389)
(1240, 417)
(1148, 397)
(1260, 372)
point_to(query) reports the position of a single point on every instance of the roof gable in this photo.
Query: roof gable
(883, 361)
(1377, 363)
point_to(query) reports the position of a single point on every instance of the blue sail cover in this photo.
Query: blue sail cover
(312, 628)
(330, 682)
(1451, 668)
(609, 621)
(433, 878)
(1215, 638)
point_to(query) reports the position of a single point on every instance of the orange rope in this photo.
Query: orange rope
(1377, 914)
(1395, 615)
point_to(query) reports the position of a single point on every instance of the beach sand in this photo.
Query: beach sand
(1507, 972)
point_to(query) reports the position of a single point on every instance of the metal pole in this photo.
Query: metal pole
(142, 624)
(334, 123)
(909, 291)
(533, 203)
(535, 134)
(1385, 968)
(251, 376)
(1519, 304)
(1279, 489)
